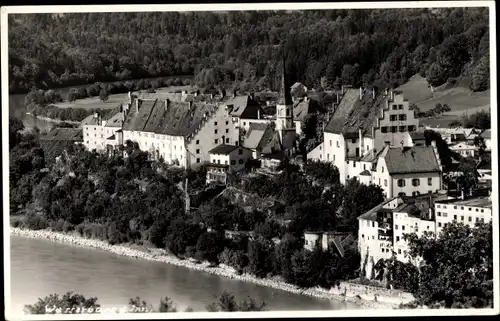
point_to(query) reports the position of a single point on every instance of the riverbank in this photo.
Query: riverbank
(364, 296)
(52, 120)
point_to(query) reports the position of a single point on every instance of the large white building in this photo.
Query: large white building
(382, 229)
(361, 125)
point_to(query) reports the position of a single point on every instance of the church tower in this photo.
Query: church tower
(284, 107)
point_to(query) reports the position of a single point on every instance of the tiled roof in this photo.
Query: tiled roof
(288, 141)
(417, 159)
(258, 136)
(303, 108)
(167, 117)
(297, 84)
(223, 149)
(239, 104)
(486, 134)
(365, 173)
(72, 134)
(353, 113)
(371, 215)
(90, 120)
(116, 120)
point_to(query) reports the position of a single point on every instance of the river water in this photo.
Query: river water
(42, 267)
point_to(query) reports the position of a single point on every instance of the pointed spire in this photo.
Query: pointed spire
(285, 98)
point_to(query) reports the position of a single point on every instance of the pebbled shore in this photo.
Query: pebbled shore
(359, 295)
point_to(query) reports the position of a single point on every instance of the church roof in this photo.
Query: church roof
(285, 97)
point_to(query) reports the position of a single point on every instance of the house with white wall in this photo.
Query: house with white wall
(486, 135)
(409, 171)
(361, 125)
(226, 159)
(465, 149)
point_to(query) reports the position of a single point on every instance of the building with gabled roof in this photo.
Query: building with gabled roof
(363, 123)
(226, 159)
(408, 171)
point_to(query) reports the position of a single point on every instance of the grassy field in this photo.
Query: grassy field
(461, 100)
(113, 100)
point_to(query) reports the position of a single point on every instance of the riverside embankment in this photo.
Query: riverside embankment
(347, 292)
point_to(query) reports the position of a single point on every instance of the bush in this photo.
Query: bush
(36, 222)
(80, 229)
(67, 227)
(59, 225)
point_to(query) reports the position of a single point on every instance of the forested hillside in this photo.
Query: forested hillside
(324, 47)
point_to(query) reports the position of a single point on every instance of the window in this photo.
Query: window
(333, 157)
(477, 219)
(399, 251)
(429, 182)
(477, 210)
(402, 129)
(438, 213)
(225, 162)
(411, 128)
(362, 236)
(402, 117)
(354, 140)
(197, 142)
(233, 162)
(240, 151)
(218, 161)
(227, 140)
(455, 217)
(454, 207)
(482, 211)
(227, 131)
(400, 107)
(87, 134)
(215, 131)
(382, 249)
(439, 224)
(215, 141)
(401, 183)
(445, 214)
(240, 161)
(385, 182)
(197, 151)
(382, 169)
(353, 164)
(415, 182)
(393, 117)
(462, 217)
(394, 129)
(383, 129)
(403, 227)
(215, 123)
(338, 144)
(470, 209)
(470, 219)
(396, 227)
(373, 224)
(244, 123)
(397, 238)
(394, 107)
(320, 156)
(364, 166)
(373, 237)
(197, 160)
(330, 142)
(227, 122)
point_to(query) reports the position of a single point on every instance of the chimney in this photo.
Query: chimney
(360, 93)
(392, 94)
(258, 113)
(373, 93)
(137, 105)
(130, 96)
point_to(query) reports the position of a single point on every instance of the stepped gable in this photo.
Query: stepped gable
(417, 159)
(353, 113)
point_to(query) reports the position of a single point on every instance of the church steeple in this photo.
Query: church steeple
(285, 98)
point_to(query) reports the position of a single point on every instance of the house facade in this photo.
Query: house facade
(226, 159)
(361, 125)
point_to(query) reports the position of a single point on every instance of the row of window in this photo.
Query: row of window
(233, 162)
(414, 182)
(396, 107)
(461, 208)
(394, 129)
(215, 123)
(401, 117)
(216, 131)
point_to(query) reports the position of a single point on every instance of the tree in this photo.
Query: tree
(136, 305)
(103, 94)
(73, 95)
(166, 305)
(69, 303)
(358, 199)
(457, 267)
(15, 127)
(227, 303)
(209, 246)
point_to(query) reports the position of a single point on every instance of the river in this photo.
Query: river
(42, 267)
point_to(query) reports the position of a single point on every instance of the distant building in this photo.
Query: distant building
(245, 111)
(455, 135)
(465, 149)
(486, 135)
(56, 141)
(468, 211)
(225, 159)
(302, 108)
(417, 138)
(327, 241)
(298, 90)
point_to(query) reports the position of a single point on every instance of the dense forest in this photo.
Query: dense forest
(324, 48)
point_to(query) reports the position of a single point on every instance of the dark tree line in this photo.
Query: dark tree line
(356, 47)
